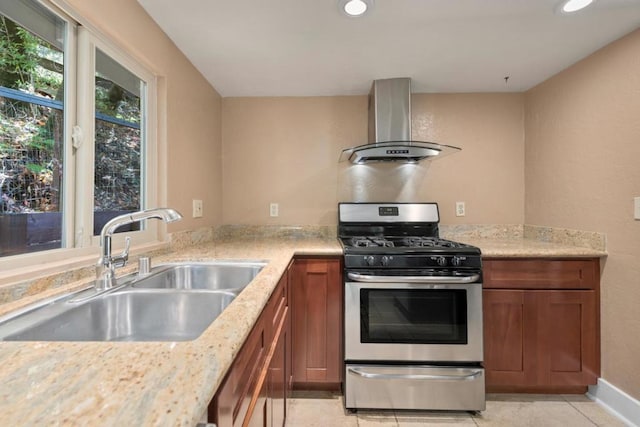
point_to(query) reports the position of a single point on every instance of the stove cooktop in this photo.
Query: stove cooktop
(401, 242)
(399, 235)
(409, 252)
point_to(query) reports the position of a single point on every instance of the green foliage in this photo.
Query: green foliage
(35, 169)
(41, 141)
(18, 55)
(114, 101)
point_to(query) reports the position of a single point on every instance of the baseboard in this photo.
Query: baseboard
(616, 401)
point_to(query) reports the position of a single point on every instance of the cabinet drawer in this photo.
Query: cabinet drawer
(541, 273)
(279, 301)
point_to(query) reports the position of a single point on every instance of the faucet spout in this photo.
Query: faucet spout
(105, 267)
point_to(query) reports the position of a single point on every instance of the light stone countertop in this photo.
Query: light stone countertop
(521, 248)
(140, 384)
(168, 383)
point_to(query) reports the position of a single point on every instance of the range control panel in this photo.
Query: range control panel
(413, 261)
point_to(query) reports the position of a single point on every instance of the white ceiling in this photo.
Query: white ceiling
(309, 48)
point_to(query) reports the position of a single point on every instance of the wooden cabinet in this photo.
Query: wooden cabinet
(541, 324)
(317, 295)
(255, 389)
(296, 340)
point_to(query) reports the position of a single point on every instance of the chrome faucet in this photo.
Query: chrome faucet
(106, 265)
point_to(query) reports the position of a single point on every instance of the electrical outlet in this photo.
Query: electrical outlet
(197, 208)
(460, 209)
(636, 208)
(273, 209)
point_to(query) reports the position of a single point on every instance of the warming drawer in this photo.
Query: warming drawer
(414, 387)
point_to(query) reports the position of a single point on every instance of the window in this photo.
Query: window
(117, 173)
(77, 135)
(32, 111)
(116, 112)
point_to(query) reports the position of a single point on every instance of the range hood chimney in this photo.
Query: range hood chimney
(390, 128)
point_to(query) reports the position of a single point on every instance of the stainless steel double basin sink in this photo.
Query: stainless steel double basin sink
(174, 302)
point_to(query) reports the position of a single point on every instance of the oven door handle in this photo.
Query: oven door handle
(413, 279)
(371, 375)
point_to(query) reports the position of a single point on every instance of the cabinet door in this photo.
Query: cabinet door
(567, 352)
(537, 339)
(506, 343)
(317, 321)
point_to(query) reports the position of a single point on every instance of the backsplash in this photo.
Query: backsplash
(25, 288)
(37, 285)
(481, 231)
(276, 232)
(184, 239)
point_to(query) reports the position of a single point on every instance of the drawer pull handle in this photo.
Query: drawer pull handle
(371, 375)
(413, 279)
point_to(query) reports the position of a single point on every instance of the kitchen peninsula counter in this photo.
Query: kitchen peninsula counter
(168, 383)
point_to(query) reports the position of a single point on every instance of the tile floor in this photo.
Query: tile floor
(319, 409)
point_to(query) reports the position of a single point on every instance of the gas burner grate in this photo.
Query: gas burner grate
(417, 241)
(428, 242)
(366, 242)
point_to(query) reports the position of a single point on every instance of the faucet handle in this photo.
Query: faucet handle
(144, 266)
(121, 260)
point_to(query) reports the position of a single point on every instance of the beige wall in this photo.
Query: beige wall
(286, 150)
(582, 165)
(192, 108)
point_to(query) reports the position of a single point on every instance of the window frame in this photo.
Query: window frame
(78, 246)
(88, 43)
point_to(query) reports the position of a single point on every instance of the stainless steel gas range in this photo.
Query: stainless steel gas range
(413, 311)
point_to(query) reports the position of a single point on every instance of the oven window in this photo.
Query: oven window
(412, 316)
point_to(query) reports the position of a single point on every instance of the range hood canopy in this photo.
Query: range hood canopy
(390, 128)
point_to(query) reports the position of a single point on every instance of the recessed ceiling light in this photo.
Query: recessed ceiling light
(355, 8)
(570, 6)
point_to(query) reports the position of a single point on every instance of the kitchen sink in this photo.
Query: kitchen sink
(173, 302)
(217, 275)
(142, 315)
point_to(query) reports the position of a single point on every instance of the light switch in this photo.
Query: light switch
(636, 208)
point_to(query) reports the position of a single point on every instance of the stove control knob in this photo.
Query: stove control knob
(369, 259)
(384, 260)
(456, 261)
(442, 261)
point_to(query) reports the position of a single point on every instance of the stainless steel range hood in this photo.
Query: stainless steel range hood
(390, 128)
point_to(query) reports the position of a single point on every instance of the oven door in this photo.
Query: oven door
(412, 321)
